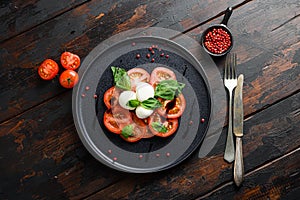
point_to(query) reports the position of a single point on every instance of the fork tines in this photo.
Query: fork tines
(230, 64)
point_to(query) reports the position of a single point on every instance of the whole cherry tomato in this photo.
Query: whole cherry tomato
(70, 60)
(68, 78)
(48, 69)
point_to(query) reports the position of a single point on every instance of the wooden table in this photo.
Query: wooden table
(41, 155)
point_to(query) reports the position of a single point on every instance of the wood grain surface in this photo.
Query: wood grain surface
(41, 155)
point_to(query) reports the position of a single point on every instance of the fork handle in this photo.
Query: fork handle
(229, 149)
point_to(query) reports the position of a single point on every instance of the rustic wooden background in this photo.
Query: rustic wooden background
(41, 156)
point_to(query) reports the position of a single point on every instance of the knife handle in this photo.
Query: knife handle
(238, 173)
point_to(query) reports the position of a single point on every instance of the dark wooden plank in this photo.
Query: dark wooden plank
(62, 169)
(18, 16)
(20, 87)
(275, 135)
(41, 156)
(278, 180)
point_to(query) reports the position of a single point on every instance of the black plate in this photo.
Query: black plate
(147, 155)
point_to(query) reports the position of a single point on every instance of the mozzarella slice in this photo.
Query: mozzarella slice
(144, 91)
(125, 97)
(142, 113)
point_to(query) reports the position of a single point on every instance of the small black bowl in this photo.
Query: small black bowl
(223, 27)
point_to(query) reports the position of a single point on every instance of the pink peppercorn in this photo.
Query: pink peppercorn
(217, 41)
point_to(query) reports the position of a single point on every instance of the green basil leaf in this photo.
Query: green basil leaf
(151, 104)
(133, 103)
(127, 131)
(180, 87)
(168, 89)
(121, 78)
(124, 83)
(159, 127)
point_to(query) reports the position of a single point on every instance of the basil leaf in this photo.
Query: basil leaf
(168, 89)
(121, 78)
(127, 131)
(180, 87)
(159, 127)
(133, 103)
(151, 104)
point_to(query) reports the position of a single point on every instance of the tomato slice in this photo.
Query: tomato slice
(160, 74)
(111, 97)
(69, 60)
(115, 119)
(48, 69)
(140, 129)
(137, 75)
(143, 125)
(170, 124)
(172, 108)
(131, 138)
(68, 78)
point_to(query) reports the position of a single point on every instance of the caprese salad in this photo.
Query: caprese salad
(140, 105)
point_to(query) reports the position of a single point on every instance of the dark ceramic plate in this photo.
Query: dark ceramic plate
(147, 155)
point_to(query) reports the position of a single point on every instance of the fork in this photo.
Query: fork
(230, 82)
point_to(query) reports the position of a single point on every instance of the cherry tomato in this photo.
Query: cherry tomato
(138, 75)
(70, 60)
(170, 124)
(111, 97)
(68, 78)
(160, 74)
(115, 120)
(172, 108)
(48, 69)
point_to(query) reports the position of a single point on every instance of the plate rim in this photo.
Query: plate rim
(88, 141)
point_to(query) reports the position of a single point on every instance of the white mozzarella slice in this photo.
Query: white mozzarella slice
(144, 91)
(143, 113)
(125, 97)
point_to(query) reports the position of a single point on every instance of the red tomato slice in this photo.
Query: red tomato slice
(48, 69)
(122, 116)
(130, 138)
(140, 130)
(160, 74)
(143, 125)
(137, 75)
(69, 60)
(170, 124)
(111, 97)
(172, 108)
(68, 78)
(115, 120)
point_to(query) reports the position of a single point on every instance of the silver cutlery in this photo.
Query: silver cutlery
(230, 82)
(238, 117)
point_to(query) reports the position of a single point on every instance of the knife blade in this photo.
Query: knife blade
(238, 118)
(238, 111)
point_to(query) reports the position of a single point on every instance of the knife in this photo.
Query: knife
(238, 117)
